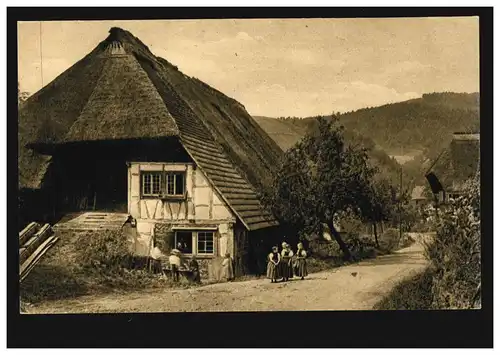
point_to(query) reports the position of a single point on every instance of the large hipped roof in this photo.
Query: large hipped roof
(121, 91)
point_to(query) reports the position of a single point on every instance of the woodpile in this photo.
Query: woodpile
(28, 232)
(33, 244)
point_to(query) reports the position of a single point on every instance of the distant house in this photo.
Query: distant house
(418, 197)
(457, 164)
(125, 135)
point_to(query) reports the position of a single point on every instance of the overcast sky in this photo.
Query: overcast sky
(283, 67)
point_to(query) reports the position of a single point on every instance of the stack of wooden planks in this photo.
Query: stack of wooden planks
(34, 241)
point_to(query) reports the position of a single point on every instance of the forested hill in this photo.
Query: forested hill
(424, 124)
(419, 128)
(288, 132)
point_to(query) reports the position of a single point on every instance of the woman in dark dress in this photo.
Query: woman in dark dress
(195, 269)
(300, 262)
(273, 261)
(286, 262)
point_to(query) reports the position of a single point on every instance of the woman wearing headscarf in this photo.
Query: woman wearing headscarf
(300, 262)
(227, 267)
(273, 260)
(286, 262)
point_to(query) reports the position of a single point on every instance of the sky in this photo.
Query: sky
(282, 67)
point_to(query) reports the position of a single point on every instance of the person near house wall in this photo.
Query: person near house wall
(273, 265)
(227, 268)
(195, 269)
(175, 263)
(155, 260)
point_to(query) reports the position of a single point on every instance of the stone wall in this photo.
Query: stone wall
(164, 237)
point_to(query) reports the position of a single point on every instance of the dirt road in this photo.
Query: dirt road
(354, 287)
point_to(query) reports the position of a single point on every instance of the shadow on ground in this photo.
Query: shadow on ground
(408, 257)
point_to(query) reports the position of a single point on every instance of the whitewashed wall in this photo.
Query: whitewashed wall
(202, 202)
(202, 206)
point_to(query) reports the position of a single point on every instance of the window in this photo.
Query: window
(198, 243)
(205, 242)
(170, 184)
(184, 241)
(151, 184)
(175, 184)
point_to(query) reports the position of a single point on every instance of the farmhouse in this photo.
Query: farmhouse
(418, 197)
(458, 163)
(123, 138)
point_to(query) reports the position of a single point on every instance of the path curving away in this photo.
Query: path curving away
(353, 287)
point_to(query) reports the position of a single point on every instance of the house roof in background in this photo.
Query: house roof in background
(418, 193)
(459, 162)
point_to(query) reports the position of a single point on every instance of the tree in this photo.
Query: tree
(379, 205)
(319, 178)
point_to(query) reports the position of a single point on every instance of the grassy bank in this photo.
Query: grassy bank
(414, 293)
(81, 264)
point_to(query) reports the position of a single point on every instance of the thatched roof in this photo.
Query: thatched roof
(121, 91)
(459, 162)
(418, 193)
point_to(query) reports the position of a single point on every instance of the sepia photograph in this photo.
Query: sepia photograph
(249, 165)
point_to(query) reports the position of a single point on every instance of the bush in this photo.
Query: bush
(453, 280)
(315, 264)
(85, 263)
(361, 247)
(389, 240)
(406, 241)
(107, 248)
(455, 253)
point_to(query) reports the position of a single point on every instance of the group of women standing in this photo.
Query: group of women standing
(285, 264)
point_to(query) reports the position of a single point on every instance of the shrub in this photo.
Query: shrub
(453, 279)
(108, 248)
(455, 252)
(389, 240)
(361, 247)
(320, 264)
(414, 293)
(406, 241)
(87, 262)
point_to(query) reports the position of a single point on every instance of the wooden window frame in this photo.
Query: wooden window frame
(198, 240)
(194, 241)
(163, 184)
(143, 178)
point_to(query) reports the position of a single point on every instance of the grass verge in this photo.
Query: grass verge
(414, 293)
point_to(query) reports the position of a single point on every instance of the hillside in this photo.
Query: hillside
(425, 124)
(413, 132)
(286, 133)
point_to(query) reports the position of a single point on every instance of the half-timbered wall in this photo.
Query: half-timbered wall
(201, 207)
(201, 203)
